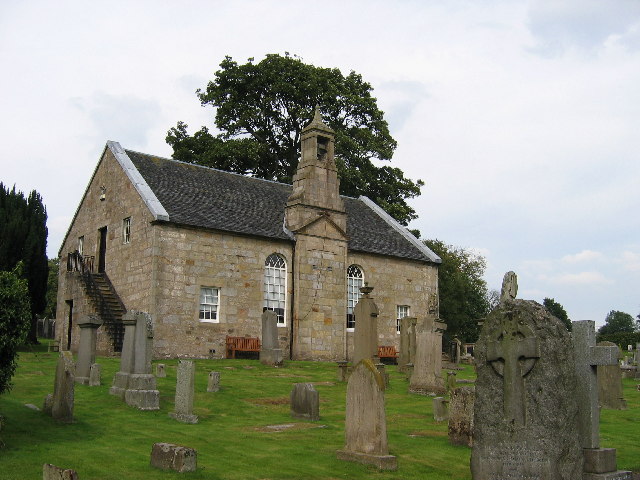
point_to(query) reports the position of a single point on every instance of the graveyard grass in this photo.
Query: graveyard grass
(110, 440)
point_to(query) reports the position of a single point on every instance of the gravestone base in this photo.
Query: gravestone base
(119, 386)
(168, 456)
(382, 462)
(600, 464)
(271, 356)
(141, 392)
(184, 417)
(432, 390)
(82, 380)
(51, 472)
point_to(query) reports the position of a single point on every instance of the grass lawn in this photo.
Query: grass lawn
(111, 440)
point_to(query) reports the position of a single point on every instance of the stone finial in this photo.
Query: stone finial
(317, 121)
(509, 287)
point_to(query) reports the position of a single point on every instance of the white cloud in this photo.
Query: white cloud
(577, 279)
(583, 256)
(630, 261)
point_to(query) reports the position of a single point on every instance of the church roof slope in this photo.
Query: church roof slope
(204, 197)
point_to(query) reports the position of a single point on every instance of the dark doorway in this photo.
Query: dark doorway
(102, 249)
(69, 322)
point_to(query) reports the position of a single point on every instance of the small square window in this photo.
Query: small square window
(209, 304)
(126, 230)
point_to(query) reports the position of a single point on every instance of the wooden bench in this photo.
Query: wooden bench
(387, 351)
(242, 344)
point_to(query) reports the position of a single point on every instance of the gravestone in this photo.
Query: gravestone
(168, 456)
(185, 384)
(456, 348)
(451, 380)
(213, 385)
(365, 421)
(160, 370)
(134, 382)
(599, 463)
(60, 404)
(383, 372)
(51, 472)
(426, 378)
(270, 351)
(95, 375)
(87, 348)
(440, 412)
(407, 342)
(610, 384)
(365, 336)
(305, 401)
(525, 410)
(461, 416)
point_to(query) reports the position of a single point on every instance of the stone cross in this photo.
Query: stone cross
(509, 287)
(587, 357)
(512, 355)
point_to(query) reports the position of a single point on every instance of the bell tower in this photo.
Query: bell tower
(316, 215)
(316, 187)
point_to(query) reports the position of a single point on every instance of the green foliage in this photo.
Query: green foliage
(617, 322)
(622, 339)
(14, 321)
(464, 296)
(558, 311)
(261, 109)
(52, 289)
(23, 238)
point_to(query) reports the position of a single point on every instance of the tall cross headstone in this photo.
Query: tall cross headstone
(365, 339)
(598, 462)
(87, 348)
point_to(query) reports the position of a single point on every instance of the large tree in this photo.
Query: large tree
(617, 322)
(558, 311)
(261, 109)
(464, 296)
(23, 238)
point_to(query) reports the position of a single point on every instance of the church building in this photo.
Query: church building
(205, 252)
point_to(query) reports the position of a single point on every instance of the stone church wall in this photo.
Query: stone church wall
(128, 266)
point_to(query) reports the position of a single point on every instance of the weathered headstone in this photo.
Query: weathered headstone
(87, 347)
(525, 409)
(456, 348)
(95, 375)
(451, 380)
(461, 416)
(610, 384)
(168, 456)
(60, 404)
(440, 412)
(135, 382)
(509, 289)
(305, 401)
(185, 384)
(213, 384)
(160, 370)
(427, 378)
(365, 337)
(365, 422)
(51, 472)
(407, 342)
(599, 463)
(270, 351)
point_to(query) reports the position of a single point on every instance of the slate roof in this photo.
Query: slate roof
(208, 198)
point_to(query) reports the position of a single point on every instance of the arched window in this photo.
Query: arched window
(275, 276)
(355, 280)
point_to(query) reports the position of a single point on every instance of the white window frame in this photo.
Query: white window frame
(354, 283)
(209, 310)
(274, 287)
(402, 311)
(126, 230)
(81, 245)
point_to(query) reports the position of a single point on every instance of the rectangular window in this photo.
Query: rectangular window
(126, 230)
(81, 245)
(209, 304)
(402, 311)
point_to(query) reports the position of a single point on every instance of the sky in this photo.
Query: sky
(521, 117)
